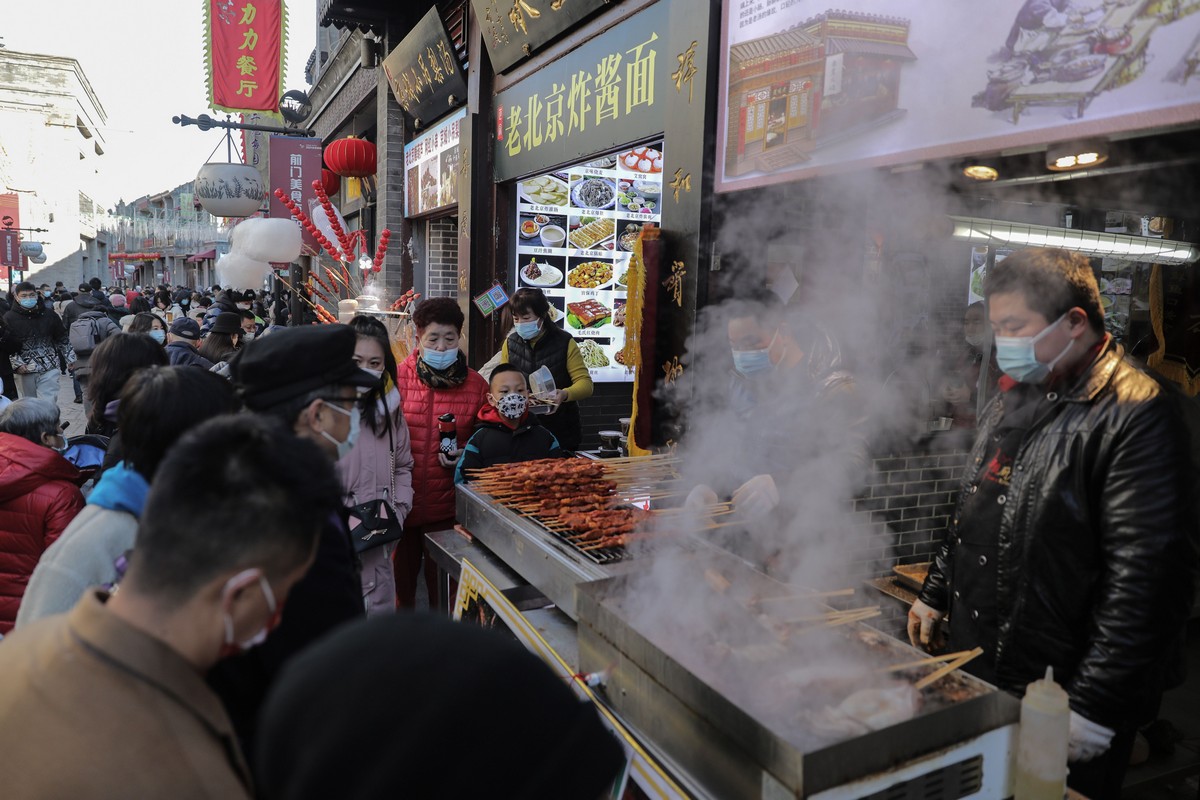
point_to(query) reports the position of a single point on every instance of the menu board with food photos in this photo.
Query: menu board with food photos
(576, 229)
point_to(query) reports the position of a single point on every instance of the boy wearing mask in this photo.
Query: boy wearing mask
(505, 430)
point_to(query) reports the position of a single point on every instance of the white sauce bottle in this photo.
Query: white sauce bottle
(1042, 741)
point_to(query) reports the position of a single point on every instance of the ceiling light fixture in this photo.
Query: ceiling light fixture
(1018, 234)
(1075, 155)
(979, 170)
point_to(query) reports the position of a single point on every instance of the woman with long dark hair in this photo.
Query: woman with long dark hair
(380, 465)
(150, 324)
(223, 339)
(113, 361)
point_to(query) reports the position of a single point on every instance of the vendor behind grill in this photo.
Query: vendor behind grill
(505, 430)
(790, 423)
(1071, 543)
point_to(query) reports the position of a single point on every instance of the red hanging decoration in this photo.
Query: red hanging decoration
(330, 181)
(351, 157)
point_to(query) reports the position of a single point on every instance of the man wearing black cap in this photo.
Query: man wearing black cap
(182, 340)
(307, 378)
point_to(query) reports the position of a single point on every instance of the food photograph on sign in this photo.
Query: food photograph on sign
(431, 168)
(806, 85)
(576, 231)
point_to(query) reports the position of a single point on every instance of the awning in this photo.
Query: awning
(866, 47)
(202, 256)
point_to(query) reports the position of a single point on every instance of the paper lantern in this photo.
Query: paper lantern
(351, 157)
(330, 181)
(230, 190)
(31, 249)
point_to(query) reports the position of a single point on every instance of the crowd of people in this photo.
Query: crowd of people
(248, 467)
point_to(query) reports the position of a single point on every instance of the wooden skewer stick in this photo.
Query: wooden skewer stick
(937, 675)
(924, 662)
(803, 596)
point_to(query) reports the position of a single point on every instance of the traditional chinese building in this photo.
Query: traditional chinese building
(830, 77)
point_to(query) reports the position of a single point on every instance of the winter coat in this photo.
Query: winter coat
(1094, 562)
(80, 305)
(44, 341)
(433, 484)
(494, 442)
(223, 303)
(181, 353)
(364, 471)
(85, 555)
(38, 499)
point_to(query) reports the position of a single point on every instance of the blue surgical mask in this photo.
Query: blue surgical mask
(753, 362)
(344, 447)
(440, 360)
(158, 336)
(1015, 355)
(46, 294)
(28, 302)
(528, 330)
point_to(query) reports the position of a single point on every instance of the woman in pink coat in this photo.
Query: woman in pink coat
(434, 380)
(38, 495)
(380, 466)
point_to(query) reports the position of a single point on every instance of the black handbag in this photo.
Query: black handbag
(373, 524)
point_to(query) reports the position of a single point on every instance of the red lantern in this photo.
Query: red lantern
(350, 158)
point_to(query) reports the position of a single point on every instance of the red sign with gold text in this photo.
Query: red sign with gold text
(245, 42)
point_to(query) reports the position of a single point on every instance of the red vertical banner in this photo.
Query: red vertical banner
(246, 43)
(295, 163)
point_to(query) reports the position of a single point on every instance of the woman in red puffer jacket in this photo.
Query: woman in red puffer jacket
(433, 380)
(39, 495)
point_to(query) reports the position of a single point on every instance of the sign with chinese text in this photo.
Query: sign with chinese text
(256, 144)
(602, 94)
(245, 42)
(424, 72)
(10, 249)
(576, 230)
(431, 169)
(514, 30)
(806, 89)
(295, 164)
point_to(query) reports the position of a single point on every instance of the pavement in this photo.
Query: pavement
(71, 411)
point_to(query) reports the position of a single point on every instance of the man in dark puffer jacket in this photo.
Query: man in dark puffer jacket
(1072, 544)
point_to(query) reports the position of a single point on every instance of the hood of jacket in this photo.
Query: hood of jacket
(490, 416)
(121, 488)
(87, 302)
(24, 466)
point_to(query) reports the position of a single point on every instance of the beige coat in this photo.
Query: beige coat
(92, 707)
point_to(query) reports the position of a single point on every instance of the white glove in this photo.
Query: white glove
(1088, 739)
(756, 497)
(924, 626)
(701, 498)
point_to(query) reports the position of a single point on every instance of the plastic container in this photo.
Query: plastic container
(543, 389)
(1042, 741)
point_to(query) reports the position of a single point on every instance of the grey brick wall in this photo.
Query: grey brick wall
(389, 204)
(901, 519)
(441, 257)
(601, 412)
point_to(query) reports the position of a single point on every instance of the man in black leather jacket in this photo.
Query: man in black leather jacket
(1072, 542)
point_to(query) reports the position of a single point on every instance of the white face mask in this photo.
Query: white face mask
(511, 406)
(232, 647)
(378, 373)
(976, 340)
(344, 447)
(247, 335)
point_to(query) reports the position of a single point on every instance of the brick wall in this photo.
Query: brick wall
(901, 519)
(441, 257)
(601, 412)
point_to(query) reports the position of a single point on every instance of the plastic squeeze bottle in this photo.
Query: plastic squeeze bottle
(1042, 741)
